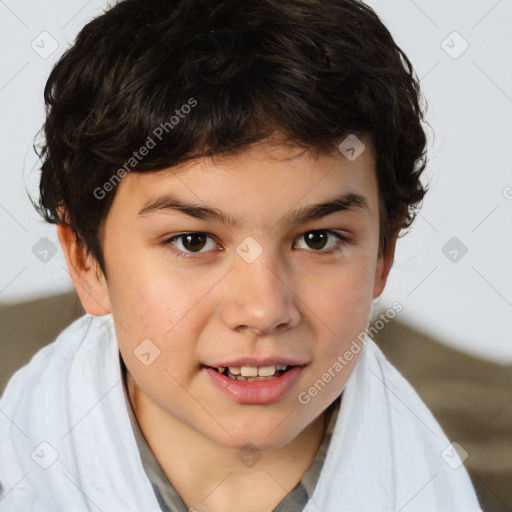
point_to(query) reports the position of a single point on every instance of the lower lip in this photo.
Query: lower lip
(256, 391)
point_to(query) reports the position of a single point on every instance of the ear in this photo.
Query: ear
(85, 273)
(384, 263)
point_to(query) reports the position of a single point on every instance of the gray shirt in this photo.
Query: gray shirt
(169, 499)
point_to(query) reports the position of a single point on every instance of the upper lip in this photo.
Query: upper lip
(259, 362)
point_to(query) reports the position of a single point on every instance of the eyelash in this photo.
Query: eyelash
(182, 254)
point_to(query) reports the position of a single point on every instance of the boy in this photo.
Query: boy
(229, 180)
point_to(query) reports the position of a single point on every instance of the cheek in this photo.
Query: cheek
(166, 307)
(342, 305)
(151, 298)
(342, 311)
(156, 340)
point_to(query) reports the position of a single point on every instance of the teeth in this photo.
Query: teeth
(240, 372)
(266, 371)
(249, 371)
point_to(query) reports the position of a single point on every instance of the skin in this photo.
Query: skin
(294, 300)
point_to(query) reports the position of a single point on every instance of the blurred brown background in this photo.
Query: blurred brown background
(471, 398)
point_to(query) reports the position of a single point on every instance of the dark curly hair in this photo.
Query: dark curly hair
(313, 71)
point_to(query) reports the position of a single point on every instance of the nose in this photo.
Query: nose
(257, 298)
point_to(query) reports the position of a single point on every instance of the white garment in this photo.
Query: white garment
(66, 411)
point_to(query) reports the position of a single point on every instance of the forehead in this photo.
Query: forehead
(266, 179)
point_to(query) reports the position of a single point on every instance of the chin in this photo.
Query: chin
(265, 431)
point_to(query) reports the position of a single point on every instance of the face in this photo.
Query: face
(214, 264)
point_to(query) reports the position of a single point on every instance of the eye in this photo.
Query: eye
(318, 240)
(188, 244)
(192, 243)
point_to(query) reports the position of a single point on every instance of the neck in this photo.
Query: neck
(213, 477)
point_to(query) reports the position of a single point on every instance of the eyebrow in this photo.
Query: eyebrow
(345, 202)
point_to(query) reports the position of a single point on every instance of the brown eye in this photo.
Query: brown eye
(189, 244)
(193, 241)
(316, 239)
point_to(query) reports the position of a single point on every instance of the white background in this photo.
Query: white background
(467, 302)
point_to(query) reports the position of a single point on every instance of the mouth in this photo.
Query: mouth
(248, 384)
(254, 373)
